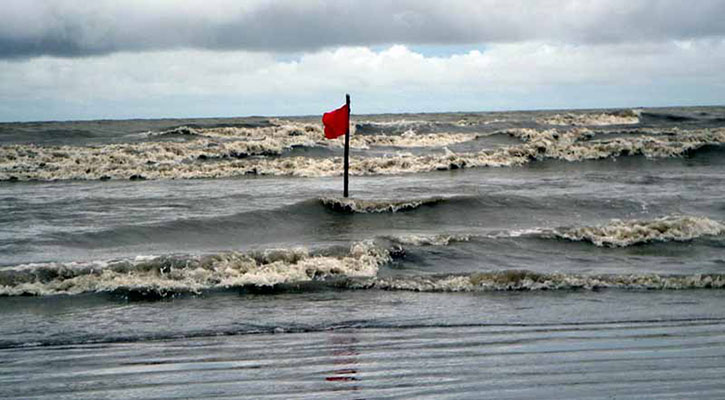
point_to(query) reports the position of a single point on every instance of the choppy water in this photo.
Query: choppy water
(482, 255)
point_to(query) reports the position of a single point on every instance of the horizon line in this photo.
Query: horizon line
(362, 114)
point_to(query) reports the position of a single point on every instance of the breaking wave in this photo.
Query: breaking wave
(158, 277)
(350, 205)
(205, 158)
(628, 117)
(145, 160)
(411, 138)
(521, 280)
(179, 274)
(277, 129)
(396, 126)
(574, 145)
(287, 134)
(429, 240)
(357, 267)
(618, 233)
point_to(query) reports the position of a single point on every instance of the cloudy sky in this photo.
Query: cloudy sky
(74, 59)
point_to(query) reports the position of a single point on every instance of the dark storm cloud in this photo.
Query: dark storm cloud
(67, 28)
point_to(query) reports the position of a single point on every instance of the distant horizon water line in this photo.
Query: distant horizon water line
(412, 112)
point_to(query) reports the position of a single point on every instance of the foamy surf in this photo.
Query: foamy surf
(203, 158)
(429, 240)
(168, 276)
(394, 126)
(351, 205)
(181, 274)
(411, 138)
(576, 144)
(623, 233)
(616, 233)
(522, 280)
(287, 134)
(628, 117)
(278, 129)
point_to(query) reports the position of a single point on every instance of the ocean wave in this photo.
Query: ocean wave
(627, 117)
(669, 131)
(576, 144)
(159, 277)
(278, 129)
(351, 205)
(477, 121)
(395, 126)
(522, 280)
(618, 233)
(152, 159)
(354, 268)
(429, 240)
(189, 160)
(166, 275)
(410, 138)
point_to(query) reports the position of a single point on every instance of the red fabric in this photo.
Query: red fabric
(336, 122)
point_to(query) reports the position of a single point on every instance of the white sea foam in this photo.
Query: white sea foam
(376, 206)
(466, 122)
(619, 233)
(356, 268)
(616, 233)
(395, 125)
(279, 129)
(168, 274)
(593, 119)
(152, 160)
(574, 145)
(430, 240)
(518, 280)
(411, 138)
(186, 160)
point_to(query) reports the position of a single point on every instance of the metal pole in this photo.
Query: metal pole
(347, 145)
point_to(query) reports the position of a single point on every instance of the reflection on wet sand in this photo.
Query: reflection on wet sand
(344, 355)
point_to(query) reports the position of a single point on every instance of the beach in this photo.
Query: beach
(522, 254)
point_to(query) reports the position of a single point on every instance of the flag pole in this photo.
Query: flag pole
(347, 145)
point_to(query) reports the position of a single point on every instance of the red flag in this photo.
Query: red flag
(336, 122)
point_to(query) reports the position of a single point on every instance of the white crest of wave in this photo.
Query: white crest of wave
(166, 160)
(279, 129)
(411, 138)
(192, 274)
(520, 280)
(430, 240)
(628, 117)
(375, 206)
(573, 145)
(289, 133)
(150, 159)
(398, 124)
(619, 233)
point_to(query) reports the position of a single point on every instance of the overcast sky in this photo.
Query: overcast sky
(63, 59)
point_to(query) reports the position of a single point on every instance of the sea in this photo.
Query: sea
(480, 255)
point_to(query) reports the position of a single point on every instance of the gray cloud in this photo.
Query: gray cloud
(66, 28)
